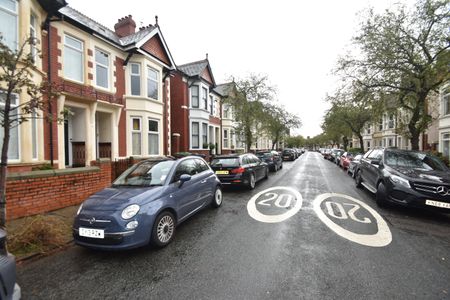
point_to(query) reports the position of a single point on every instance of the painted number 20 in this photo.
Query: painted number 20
(343, 215)
(282, 201)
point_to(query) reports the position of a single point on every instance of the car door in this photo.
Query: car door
(207, 179)
(186, 195)
(372, 167)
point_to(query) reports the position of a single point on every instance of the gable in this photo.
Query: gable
(207, 75)
(155, 47)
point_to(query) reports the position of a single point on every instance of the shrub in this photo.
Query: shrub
(39, 234)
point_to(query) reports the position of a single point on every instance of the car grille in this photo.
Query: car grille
(431, 188)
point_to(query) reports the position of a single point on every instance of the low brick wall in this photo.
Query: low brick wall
(30, 193)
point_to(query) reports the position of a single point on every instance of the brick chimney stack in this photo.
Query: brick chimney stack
(125, 26)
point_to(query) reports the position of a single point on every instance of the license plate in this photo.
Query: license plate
(437, 204)
(92, 233)
(222, 172)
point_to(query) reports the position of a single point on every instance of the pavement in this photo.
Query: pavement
(304, 233)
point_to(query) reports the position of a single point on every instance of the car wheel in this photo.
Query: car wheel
(281, 166)
(163, 229)
(218, 197)
(381, 195)
(251, 182)
(358, 179)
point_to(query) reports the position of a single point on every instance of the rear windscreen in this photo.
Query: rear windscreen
(225, 162)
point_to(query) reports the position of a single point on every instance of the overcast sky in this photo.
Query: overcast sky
(295, 43)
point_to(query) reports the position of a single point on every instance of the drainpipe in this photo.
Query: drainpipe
(49, 78)
(165, 108)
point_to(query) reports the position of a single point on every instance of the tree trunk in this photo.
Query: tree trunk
(361, 142)
(345, 141)
(4, 160)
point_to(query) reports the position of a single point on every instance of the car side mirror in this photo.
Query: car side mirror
(184, 178)
(375, 162)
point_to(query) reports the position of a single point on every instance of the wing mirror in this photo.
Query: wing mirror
(184, 178)
(375, 162)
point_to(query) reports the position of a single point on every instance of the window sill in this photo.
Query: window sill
(143, 98)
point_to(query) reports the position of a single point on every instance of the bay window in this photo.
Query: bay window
(204, 134)
(152, 83)
(195, 135)
(13, 148)
(9, 23)
(153, 137)
(135, 79)
(194, 96)
(136, 136)
(205, 98)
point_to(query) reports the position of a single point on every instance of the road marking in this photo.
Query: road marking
(279, 200)
(382, 238)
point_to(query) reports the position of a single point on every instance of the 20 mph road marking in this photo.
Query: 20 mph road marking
(282, 200)
(382, 238)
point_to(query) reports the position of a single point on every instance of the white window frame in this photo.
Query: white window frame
(192, 96)
(225, 138)
(107, 67)
(446, 101)
(18, 128)
(197, 135)
(153, 133)
(149, 68)
(445, 139)
(205, 134)
(138, 75)
(78, 50)
(134, 131)
(14, 13)
(34, 135)
(33, 35)
(205, 98)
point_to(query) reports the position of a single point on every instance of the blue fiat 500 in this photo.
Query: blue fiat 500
(146, 203)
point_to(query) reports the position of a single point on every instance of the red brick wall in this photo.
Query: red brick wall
(55, 66)
(32, 194)
(119, 72)
(179, 117)
(155, 47)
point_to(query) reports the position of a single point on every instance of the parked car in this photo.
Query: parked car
(353, 166)
(335, 155)
(146, 204)
(289, 154)
(243, 170)
(345, 159)
(9, 289)
(407, 178)
(327, 154)
(272, 159)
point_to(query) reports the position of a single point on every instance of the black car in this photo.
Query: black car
(272, 159)
(354, 164)
(289, 154)
(244, 169)
(9, 289)
(407, 178)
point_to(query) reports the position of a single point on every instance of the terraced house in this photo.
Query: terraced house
(195, 102)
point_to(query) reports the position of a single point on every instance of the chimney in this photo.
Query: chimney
(125, 26)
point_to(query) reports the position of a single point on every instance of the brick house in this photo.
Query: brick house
(116, 86)
(195, 109)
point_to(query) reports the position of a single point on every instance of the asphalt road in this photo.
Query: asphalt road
(340, 250)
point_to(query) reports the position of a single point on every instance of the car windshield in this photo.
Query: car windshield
(225, 162)
(148, 173)
(414, 160)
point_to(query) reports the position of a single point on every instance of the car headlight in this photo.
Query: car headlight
(130, 211)
(79, 209)
(400, 180)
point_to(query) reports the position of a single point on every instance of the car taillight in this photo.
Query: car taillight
(238, 171)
